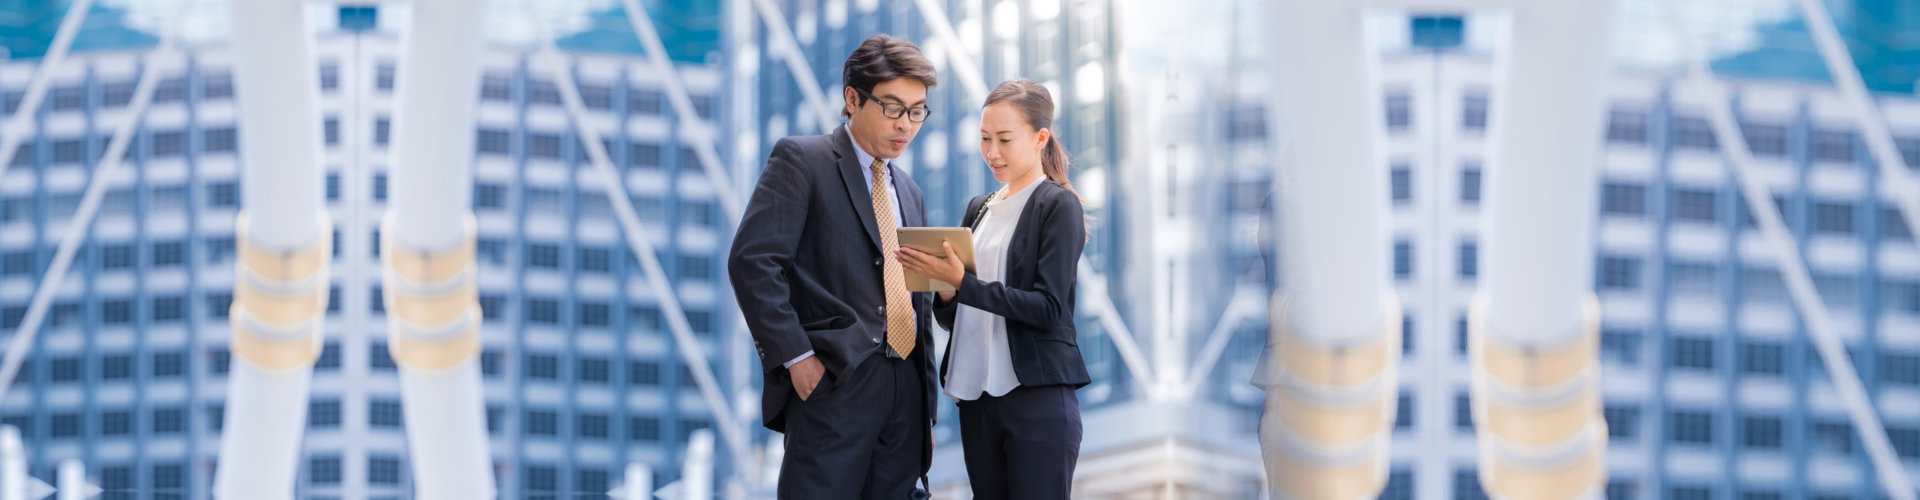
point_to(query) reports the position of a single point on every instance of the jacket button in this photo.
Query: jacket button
(876, 340)
(880, 310)
(876, 261)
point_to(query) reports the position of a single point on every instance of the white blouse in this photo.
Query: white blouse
(979, 361)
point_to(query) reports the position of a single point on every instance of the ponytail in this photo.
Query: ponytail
(1033, 100)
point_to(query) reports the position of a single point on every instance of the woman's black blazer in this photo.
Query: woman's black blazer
(1037, 296)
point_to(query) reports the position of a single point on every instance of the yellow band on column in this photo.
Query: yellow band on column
(1305, 481)
(275, 355)
(428, 267)
(1566, 482)
(439, 310)
(280, 309)
(1341, 366)
(1328, 425)
(1537, 368)
(1525, 427)
(426, 355)
(281, 265)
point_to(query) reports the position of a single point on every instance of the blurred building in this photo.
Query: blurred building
(581, 376)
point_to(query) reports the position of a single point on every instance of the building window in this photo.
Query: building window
(595, 314)
(116, 423)
(169, 309)
(68, 369)
(1763, 358)
(1834, 217)
(1403, 412)
(543, 423)
(1623, 199)
(1469, 260)
(1402, 184)
(543, 311)
(216, 86)
(593, 369)
(1766, 139)
(219, 140)
(1695, 205)
(1470, 183)
(332, 130)
(382, 130)
(169, 476)
(1893, 225)
(383, 469)
(1900, 296)
(1620, 346)
(596, 97)
(1403, 259)
(384, 413)
(329, 76)
(169, 364)
(117, 256)
(378, 358)
(1473, 115)
(489, 363)
(496, 87)
(1900, 369)
(543, 367)
(383, 77)
(68, 98)
(544, 256)
(643, 155)
(116, 367)
(543, 92)
(1690, 427)
(592, 426)
(489, 196)
(544, 146)
(116, 94)
(169, 143)
(1693, 277)
(1462, 412)
(696, 267)
(541, 478)
(1834, 437)
(1833, 145)
(1619, 273)
(324, 469)
(1623, 422)
(219, 360)
(169, 420)
(1760, 432)
(1399, 111)
(66, 425)
(544, 200)
(492, 141)
(169, 253)
(643, 373)
(223, 194)
(1693, 353)
(219, 304)
(597, 260)
(69, 151)
(1693, 133)
(1689, 493)
(644, 102)
(1466, 486)
(170, 90)
(323, 414)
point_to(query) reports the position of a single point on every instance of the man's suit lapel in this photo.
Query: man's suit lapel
(857, 189)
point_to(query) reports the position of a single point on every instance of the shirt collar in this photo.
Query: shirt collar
(860, 152)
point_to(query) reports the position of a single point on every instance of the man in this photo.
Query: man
(849, 378)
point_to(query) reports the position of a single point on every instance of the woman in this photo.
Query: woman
(1012, 363)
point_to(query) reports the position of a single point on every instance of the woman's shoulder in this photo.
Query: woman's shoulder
(1052, 193)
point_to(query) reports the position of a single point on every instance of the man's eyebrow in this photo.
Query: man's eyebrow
(897, 100)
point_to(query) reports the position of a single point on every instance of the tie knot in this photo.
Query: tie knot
(878, 166)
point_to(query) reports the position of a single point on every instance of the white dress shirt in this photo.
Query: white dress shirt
(980, 361)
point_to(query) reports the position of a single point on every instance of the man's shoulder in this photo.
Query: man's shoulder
(804, 144)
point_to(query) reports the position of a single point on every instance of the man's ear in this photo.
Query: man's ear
(847, 94)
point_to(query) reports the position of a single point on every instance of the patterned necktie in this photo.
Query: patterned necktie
(899, 303)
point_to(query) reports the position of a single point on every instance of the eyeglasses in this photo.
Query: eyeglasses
(894, 111)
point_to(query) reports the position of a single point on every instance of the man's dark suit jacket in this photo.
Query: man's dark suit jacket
(806, 267)
(1043, 260)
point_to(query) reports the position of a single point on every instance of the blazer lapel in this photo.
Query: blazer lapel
(858, 191)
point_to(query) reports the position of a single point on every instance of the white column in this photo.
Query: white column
(1534, 324)
(433, 311)
(1330, 376)
(280, 288)
(13, 465)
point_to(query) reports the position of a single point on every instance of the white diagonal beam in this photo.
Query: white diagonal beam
(15, 126)
(970, 76)
(642, 246)
(1846, 77)
(1244, 304)
(89, 205)
(1826, 340)
(692, 123)
(789, 48)
(1117, 330)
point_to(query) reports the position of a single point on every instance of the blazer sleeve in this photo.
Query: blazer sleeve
(1062, 234)
(763, 250)
(943, 310)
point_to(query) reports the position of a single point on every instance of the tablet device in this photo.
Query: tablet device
(927, 239)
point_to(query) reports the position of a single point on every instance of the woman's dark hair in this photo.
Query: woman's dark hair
(1034, 102)
(882, 58)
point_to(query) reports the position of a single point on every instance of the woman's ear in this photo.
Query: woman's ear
(1042, 138)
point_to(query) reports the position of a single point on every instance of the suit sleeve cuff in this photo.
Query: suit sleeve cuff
(802, 357)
